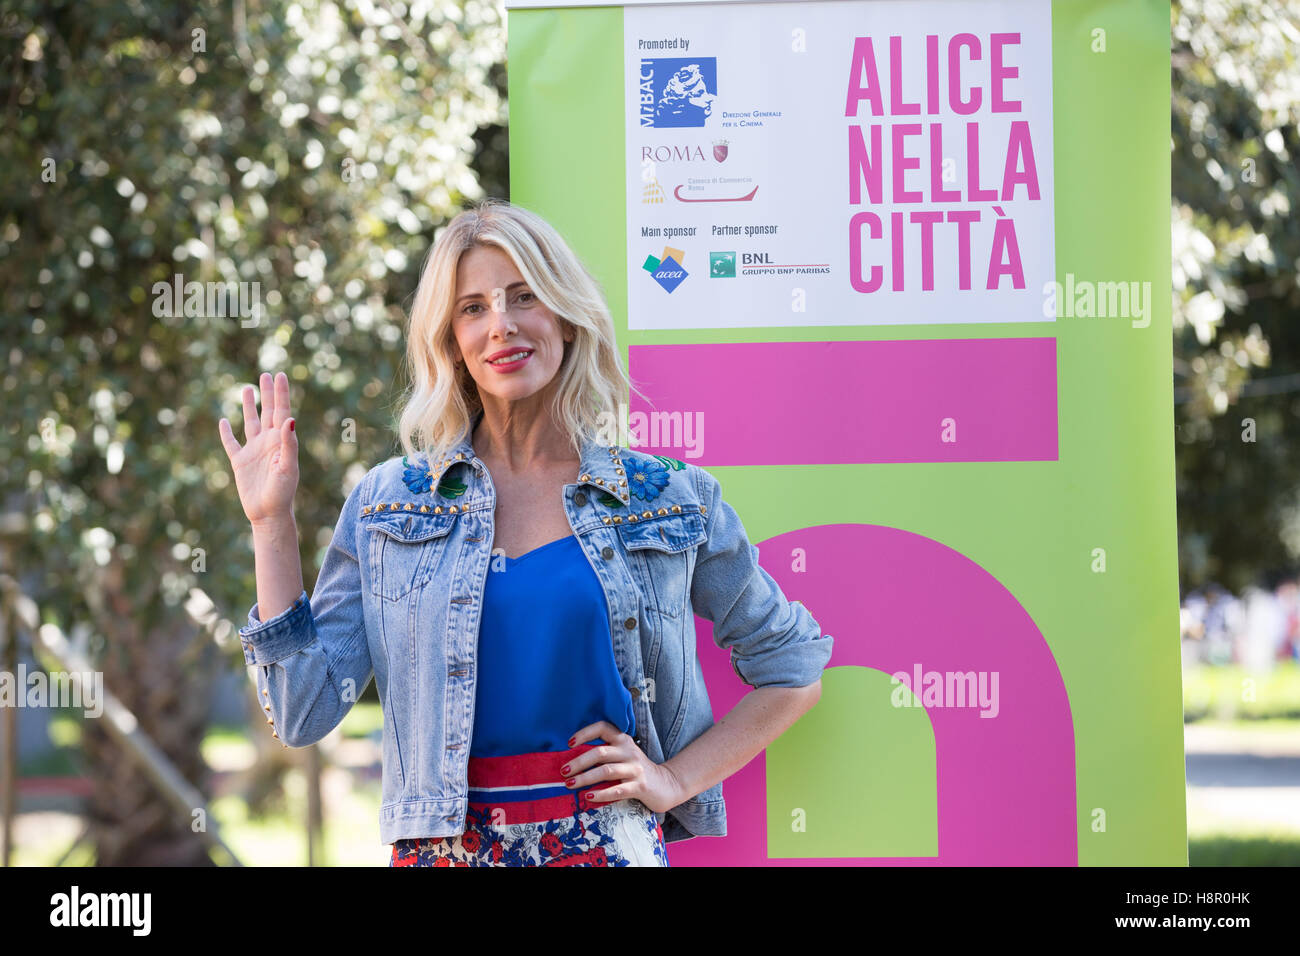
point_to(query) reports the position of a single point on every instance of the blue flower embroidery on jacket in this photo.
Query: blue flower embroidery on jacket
(647, 478)
(419, 478)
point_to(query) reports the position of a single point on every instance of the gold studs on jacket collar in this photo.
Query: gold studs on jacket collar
(616, 486)
(437, 472)
(618, 519)
(439, 469)
(399, 506)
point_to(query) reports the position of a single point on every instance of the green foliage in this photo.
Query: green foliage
(313, 148)
(1236, 251)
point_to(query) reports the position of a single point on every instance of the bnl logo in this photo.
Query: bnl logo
(722, 265)
(677, 92)
(667, 270)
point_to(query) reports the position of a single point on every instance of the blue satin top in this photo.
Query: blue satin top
(546, 657)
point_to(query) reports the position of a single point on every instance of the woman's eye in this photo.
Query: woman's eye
(527, 298)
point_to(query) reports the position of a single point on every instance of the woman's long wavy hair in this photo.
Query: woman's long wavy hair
(443, 398)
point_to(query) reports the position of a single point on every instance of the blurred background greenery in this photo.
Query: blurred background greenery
(317, 148)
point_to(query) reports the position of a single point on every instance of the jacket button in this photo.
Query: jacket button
(636, 693)
(606, 552)
(580, 499)
(630, 623)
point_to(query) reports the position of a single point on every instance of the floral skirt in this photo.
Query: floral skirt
(521, 814)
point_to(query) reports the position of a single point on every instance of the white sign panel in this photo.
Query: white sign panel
(832, 163)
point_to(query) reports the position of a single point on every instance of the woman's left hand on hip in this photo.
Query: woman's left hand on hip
(623, 767)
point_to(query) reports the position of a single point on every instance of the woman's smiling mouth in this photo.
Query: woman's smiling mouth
(511, 361)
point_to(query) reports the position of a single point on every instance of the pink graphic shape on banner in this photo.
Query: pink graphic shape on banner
(830, 403)
(1006, 785)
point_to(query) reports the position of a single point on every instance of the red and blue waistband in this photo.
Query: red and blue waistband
(528, 788)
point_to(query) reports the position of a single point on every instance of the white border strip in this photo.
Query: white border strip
(523, 786)
(538, 4)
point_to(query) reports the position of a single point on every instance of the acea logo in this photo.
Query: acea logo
(677, 92)
(667, 270)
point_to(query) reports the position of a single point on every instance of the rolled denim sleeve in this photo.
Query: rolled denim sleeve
(312, 659)
(774, 642)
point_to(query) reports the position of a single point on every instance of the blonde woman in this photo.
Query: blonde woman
(521, 589)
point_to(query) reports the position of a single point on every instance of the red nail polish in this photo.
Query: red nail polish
(568, 783)
(291, 424)
(564, 769)
(570, 741)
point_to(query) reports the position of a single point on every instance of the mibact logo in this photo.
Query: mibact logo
(677, 92)
(667, 270)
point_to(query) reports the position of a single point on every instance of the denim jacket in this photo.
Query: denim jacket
(399, 597)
